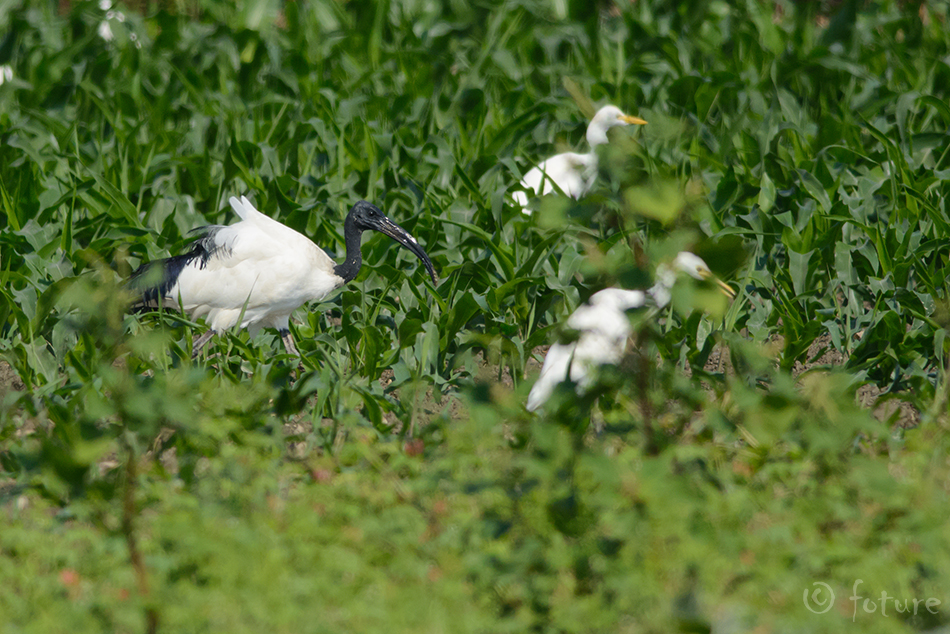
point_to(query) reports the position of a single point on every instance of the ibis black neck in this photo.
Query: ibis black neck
(350, 267)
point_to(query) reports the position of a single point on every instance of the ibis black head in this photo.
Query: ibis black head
(365, 216)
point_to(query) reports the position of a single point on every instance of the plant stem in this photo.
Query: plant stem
(128, 529)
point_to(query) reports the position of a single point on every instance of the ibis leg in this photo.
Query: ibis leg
(200, 343)
(288, 340)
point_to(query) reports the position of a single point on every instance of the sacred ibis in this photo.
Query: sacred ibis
(257, 271)
(573, 173)
(604, 327)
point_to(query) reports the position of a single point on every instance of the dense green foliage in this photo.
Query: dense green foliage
(396, 483)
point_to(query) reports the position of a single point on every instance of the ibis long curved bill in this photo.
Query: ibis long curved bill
(256, 272)
(403, 237)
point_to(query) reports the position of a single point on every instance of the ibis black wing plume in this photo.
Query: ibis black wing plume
(153, 280)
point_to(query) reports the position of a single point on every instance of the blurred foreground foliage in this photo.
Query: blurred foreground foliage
(396, 482)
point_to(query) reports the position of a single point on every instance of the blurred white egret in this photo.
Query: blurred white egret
(258, 271)
(574, 173)
(604, 327)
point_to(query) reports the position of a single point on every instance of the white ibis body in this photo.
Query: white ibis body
(257, 271)
(573, 173)
(604, 328)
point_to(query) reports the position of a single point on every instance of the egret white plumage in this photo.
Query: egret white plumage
(257, 271)
(604, 327)
(574, 173)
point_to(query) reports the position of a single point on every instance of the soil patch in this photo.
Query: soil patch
(9, 379)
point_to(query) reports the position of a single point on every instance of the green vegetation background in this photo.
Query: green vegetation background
(398, 485)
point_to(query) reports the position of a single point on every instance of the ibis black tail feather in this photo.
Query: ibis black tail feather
(154, 280)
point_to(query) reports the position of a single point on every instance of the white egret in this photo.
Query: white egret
(258, 271)
(574, 173)
(604, 328)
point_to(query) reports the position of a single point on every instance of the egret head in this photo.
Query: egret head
(606, 118)
(366, 216)
(695, 267)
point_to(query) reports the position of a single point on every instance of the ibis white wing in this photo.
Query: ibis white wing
(265, 268)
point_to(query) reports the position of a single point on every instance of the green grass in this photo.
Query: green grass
(801, 148)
